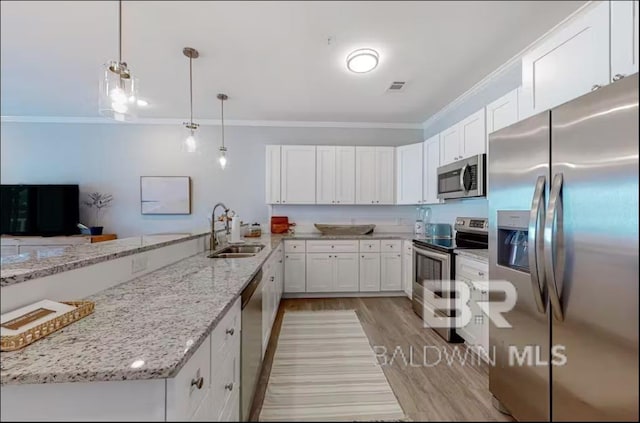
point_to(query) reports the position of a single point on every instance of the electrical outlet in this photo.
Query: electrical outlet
(139, 264)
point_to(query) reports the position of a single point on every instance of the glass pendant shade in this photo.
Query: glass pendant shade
(223, 157)
(190, 143)
(118, 93)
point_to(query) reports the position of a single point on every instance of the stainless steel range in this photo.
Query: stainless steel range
(434, 268)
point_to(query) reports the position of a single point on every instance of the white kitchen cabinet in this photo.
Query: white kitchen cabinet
(272, 177)
(294, 272)
(450, 145)
(391, 271)
(345, 272)
(298, 178)
(624, 38)
(572, 61)
(369, 272)
(409, 174)
(375, 175)
(319, 272)
(407, 267)
(335, 175)
(475, 274)
(431, 162)
(473, 135)
(502, 112)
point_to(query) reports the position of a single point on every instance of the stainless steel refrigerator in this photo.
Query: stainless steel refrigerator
(563, 228)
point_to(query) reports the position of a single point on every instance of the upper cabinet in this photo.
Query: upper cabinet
(624, 38)
(272, 177)
(431, 162)
(502, 112)
(375, 175)
(298, 179)
(569, 63)
(464, 139)
(409, 174)
(335, 175)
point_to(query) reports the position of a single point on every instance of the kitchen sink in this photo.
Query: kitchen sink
(238, 251)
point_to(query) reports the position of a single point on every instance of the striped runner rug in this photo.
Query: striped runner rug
(325, 370)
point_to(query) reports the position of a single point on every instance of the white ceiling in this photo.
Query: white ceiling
(271, 58)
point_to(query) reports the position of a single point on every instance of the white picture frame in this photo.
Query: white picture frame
(165, 195)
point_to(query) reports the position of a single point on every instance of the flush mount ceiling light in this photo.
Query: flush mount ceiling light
(223, 150)
(362, 60)
(118, 96)
(190, 144)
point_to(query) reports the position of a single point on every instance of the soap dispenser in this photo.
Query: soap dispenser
(235, 228)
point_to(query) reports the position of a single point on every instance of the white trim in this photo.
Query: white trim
(210, 122)
(504, 67)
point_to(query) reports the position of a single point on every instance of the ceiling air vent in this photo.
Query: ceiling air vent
(396, 86)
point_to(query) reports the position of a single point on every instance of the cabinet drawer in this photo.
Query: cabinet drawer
(372, 246)
(391, 246)
(341, 246)
(226, 331)
(471, 269)
(225, 379)
(294, 246)
(183, 394)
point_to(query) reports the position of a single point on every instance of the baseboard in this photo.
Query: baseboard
(343, 294)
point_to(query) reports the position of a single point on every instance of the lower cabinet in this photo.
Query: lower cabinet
(294, 272)
(345, 272)
(407, 267)
(369, 272)
(332, 272)
(272, 285)
(475, 274)
(391, 272)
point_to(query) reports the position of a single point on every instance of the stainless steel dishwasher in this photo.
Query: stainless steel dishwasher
(251, 345)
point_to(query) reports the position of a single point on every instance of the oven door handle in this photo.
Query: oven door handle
(430, 254)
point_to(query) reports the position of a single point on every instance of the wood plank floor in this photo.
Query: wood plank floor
(435, 392)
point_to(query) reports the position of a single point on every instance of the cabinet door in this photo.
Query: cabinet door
(407, 268)
(272, 177)
(391, 272)
(319, 272)
(409, 174)
(385, 175)
(298, 183)
(366, 174)
(267, 309)
(345, 175)
(369, 272)
(294, 273)
(325, 175)
(467, 332)
(345, 272)
(450, 145)
(502, 112)
(571, 62)
(473, 135)
(624, 38)
(431, 162)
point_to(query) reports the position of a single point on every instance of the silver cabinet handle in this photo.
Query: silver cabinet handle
(229, 386)
(595, 87)
(197, 382)
(536, 250)
(230, 331)
(338, 202)
(554, 240)
(272, 278)
(333, 246)
(618, 77)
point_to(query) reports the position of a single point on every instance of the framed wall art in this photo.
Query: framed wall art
(165, 194)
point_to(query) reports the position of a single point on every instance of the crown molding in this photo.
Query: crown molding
(210, 122)
(504, 67)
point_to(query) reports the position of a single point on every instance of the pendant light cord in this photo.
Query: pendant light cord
(191, 89)
(222, 113)
(120, 31)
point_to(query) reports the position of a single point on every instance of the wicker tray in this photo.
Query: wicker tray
(12, 343)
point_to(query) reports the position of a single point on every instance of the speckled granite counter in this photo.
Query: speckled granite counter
(160, 318)
(478, 254)
(23, 267)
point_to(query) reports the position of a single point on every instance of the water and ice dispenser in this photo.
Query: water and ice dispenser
(513, 239)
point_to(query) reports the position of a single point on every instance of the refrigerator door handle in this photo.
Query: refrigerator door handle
(536, 245)
(554, 245)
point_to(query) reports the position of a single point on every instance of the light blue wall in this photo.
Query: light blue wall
(507, 81)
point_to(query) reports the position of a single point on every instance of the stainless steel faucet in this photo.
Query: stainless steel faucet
(213, 243)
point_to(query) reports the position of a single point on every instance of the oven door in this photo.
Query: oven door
(463, 178)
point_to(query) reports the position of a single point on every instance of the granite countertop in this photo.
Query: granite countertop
(22, 267)
(478, 254)
(158, 319)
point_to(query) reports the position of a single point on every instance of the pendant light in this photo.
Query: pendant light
(190, 144)
(118, 88)
(223, 150)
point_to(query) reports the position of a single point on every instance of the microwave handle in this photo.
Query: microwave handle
(462, 172)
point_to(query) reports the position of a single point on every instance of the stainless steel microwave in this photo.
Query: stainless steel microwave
(463, 178)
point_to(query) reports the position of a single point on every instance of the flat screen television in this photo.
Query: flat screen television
(43, 210)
